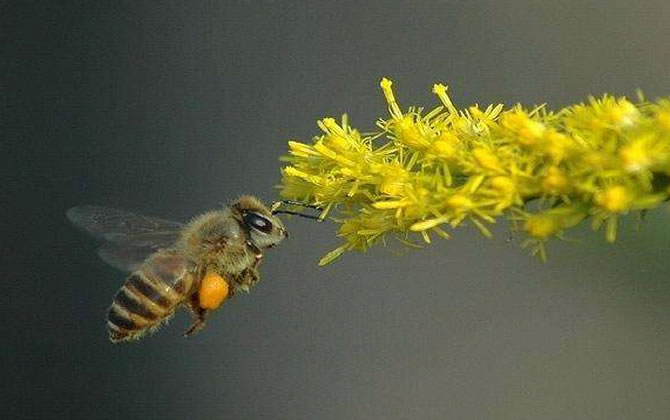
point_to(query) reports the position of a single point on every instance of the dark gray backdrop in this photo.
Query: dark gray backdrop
(170, 108)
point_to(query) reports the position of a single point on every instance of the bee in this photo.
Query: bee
(197, 265)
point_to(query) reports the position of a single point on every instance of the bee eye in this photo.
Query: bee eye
(258, 222)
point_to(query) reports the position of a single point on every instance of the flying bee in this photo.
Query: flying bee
(197, 265)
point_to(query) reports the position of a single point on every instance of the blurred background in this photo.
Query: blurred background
(171, 108)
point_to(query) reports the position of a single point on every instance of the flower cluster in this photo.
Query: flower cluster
(427, 173)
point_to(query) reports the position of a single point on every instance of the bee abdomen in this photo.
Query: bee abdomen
(141, 304)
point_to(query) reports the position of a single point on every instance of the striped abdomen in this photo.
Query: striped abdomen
(150, 295)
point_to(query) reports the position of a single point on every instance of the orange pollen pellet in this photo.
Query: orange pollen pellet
(213, 291)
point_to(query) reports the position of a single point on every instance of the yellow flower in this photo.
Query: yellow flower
(557, 145)
(394, 178)
(445, 146)
(459, 202)
(555, 182)
(409, 133)
(423, 173)
(550, 222)
(487, 160)
(525, 130)
(663, 119)
(600, 115)
(635, 156)
(505, 191)
(615, 199)
(542, 226)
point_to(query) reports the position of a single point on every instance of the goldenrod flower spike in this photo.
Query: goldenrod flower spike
(427, 173)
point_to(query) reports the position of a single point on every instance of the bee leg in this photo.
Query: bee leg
(198, 324)
(253, 276)
(257, 262)
(248, 278)
(258, 254)
(200, 317)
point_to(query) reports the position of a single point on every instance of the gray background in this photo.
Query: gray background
(170, 108)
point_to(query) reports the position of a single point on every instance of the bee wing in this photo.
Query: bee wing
(124, 258)
(130, 237)
(120, 226)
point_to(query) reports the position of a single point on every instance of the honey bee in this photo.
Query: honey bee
(197, 265)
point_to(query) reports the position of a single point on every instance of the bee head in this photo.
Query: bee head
(265, 230)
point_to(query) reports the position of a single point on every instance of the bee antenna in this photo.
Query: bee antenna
(301, 204)
(295, 213)
(275, 209)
